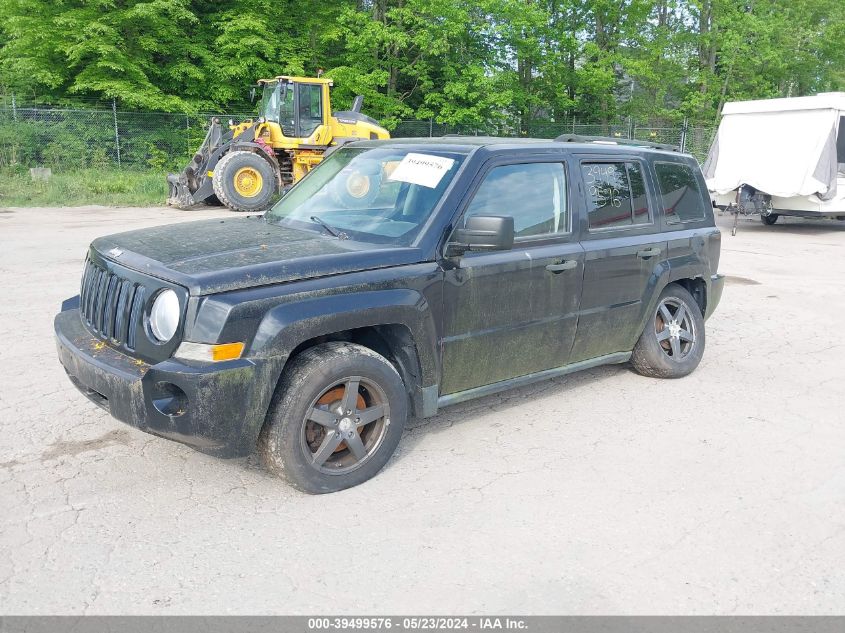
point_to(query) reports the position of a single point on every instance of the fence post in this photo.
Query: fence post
(116, 135)
(430, 127)
(14, 109)
(684, 135)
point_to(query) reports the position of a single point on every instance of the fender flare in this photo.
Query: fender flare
(287, 326)
(660, 278)
(667, 275)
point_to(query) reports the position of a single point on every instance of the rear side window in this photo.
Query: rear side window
(679, 192)
(616, 195)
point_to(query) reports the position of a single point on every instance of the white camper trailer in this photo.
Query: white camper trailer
(780, 157)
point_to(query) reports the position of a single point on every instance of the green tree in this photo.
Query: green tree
(482, 65)
(138, 52)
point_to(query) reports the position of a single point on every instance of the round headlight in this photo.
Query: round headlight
(164, 315)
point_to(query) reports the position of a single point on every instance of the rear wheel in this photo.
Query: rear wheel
(770, 219)
(244, 181)
(336, 418)
(672, 343)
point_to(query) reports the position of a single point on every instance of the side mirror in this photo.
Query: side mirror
(252, 95)
(483, 233)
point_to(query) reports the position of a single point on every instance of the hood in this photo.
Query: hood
(210, 256)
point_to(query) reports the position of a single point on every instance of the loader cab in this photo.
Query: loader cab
(298, 105)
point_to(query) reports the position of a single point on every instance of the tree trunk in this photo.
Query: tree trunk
(706, 44)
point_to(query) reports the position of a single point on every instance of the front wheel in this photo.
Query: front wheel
(672, 343)
(770, 219)
(336, 419)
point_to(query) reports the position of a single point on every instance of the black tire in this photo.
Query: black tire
(233, 165)
(316, 385)
(770, 219)
(662, 350)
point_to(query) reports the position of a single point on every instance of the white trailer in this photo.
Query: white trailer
(780, 157)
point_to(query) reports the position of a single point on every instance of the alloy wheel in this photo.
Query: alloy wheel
(345, 425)
(674, 329)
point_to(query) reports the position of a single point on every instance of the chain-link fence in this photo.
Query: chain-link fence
(38, 135)
(692, 139)
(68, 138)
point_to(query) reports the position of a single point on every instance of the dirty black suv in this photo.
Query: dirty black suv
(397, 278)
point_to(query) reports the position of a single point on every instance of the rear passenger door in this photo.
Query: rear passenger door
(511, 313)
(625, 253)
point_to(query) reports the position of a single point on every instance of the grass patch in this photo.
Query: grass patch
(112, 187)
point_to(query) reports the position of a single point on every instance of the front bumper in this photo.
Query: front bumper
(714, 296)
(217, 408)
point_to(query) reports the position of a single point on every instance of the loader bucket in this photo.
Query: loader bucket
(178, 192)
(183, 186)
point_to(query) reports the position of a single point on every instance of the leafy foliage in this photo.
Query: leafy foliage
(461, 62)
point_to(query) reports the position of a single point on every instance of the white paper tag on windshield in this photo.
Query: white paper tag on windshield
(422, 169)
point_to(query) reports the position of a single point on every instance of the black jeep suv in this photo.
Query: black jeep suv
(398, 277)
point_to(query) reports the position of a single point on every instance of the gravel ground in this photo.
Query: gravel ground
(602, 492)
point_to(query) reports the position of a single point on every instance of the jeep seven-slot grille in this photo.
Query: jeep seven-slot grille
(111, 306)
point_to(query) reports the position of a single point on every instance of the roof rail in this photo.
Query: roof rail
(577, 138)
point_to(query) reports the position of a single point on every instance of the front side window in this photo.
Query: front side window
(382, 194)
(679, 192)
(616, 195)
(533, 193)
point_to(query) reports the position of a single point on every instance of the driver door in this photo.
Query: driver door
(512, 313)
(309, 100)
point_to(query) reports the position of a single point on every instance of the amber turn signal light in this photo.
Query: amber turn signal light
(209, 352)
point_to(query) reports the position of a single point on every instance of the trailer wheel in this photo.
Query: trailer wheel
(770, 219)
(244, 181)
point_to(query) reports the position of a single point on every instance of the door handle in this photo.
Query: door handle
(648, 252)
(568, 264)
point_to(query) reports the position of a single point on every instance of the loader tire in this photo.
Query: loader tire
(244, 181)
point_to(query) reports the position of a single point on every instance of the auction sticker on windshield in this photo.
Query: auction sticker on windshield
(422, 169)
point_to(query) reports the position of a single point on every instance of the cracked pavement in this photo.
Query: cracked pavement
(600, 492)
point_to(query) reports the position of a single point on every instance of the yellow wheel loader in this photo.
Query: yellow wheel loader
(246, 165)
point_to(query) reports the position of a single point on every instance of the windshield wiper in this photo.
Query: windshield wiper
(340, 235)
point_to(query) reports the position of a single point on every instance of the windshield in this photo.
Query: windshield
(270, 102)
(382, 194)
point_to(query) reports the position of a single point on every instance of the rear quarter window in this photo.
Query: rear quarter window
(680, 194)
